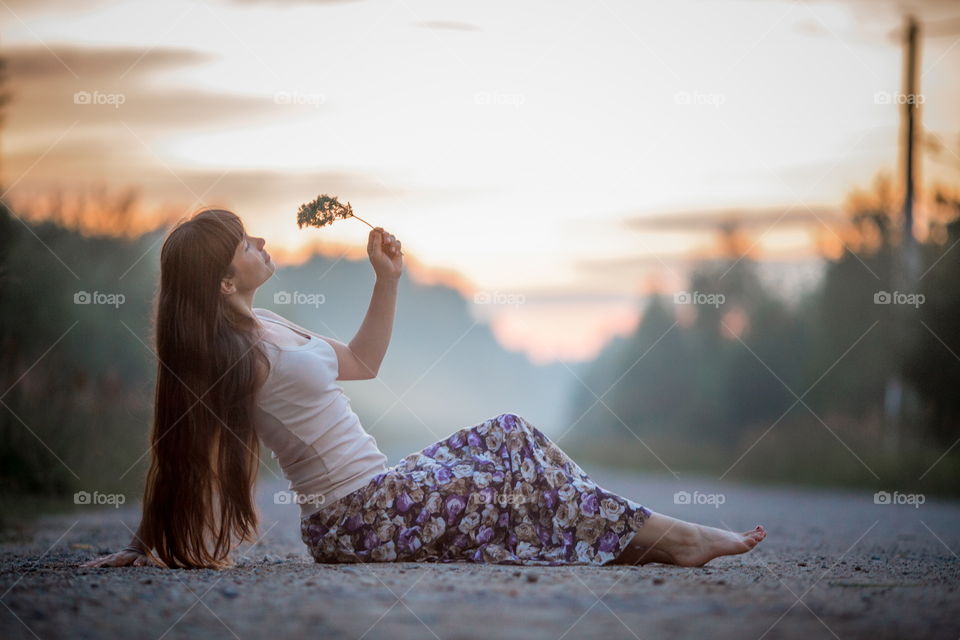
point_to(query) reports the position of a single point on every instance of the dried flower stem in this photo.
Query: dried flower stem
(324, 210)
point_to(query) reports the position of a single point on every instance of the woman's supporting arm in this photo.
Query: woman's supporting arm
(137, 541)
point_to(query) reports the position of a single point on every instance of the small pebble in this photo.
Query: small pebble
(532, 577)
(658, 581)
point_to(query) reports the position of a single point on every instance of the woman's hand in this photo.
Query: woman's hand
(385, 254)
(122, 558)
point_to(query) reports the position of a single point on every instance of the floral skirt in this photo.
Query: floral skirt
(497, 492)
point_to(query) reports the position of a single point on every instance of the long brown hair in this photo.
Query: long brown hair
(204, 450)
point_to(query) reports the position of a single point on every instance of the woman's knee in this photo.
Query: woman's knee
(515, 422)
(512, 421)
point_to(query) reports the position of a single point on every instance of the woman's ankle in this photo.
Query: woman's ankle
(663, 534)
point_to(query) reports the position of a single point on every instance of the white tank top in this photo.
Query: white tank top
(305, 419)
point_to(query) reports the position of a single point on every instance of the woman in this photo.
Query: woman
(230, 375)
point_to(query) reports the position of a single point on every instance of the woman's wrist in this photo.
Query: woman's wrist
(135, 549)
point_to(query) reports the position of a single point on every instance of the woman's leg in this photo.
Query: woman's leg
(671, 541)
(661, 538)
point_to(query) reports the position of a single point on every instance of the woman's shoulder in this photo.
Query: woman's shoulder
(264, 369)
(261, 311)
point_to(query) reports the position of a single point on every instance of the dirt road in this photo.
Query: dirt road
(835, 565)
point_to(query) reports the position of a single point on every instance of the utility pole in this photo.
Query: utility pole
(906, 268)
(909, 109)
(4, 99)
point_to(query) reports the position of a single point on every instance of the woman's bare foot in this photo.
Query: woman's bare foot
(671, 541)
(635, 554)
(708, 543)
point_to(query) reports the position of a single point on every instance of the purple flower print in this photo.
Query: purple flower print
(484, 533)
(483, 462)
(550, 498)
(409, 539)
(455, 441)
(404, 502)
(443, 475)
(544, 534)
(423, 516)
(354, 522)
(452, 506)
(608, 541)
(370, 539)
(471, 477)
(487, 494)
(474, 440)
(589, 504)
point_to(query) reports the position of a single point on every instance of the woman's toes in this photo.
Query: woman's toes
(752, 538)
(755, 536)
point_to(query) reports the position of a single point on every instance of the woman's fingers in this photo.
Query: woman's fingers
(388, 242)
(119, 559)
(97, 562)
(391, 243)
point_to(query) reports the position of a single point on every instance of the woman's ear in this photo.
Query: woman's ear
(227, 286)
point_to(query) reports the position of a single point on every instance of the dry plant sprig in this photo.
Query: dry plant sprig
(324, 210)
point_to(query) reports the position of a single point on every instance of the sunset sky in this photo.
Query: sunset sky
(509, 142)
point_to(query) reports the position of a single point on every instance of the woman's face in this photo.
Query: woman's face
(251, 264)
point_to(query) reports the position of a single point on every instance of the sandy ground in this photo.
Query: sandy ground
(835, 565)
